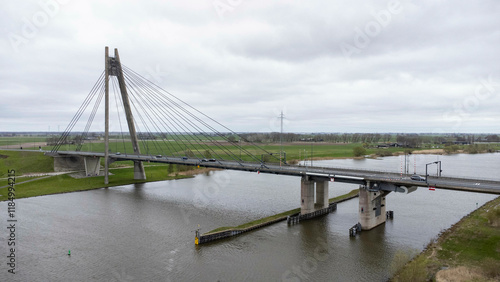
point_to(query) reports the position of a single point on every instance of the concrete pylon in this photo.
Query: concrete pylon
(306, 195)
(139, 172)
(113, 67)
(308, 189)
(321, 195)
(371, 208)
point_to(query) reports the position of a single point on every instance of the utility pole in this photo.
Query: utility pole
(406, 164)
(305, 158)
(312, 152)
(281, 137)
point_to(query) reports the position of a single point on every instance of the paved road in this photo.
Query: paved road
(337, 174)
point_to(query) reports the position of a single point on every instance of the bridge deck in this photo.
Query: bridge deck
(354, 176)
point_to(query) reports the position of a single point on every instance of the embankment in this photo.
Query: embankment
(467, 251)
(225, 232)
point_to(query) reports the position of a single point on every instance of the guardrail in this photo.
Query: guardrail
(272, 167)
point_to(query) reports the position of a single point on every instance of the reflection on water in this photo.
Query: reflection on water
(146, 231)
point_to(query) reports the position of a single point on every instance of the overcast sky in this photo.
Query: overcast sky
(330, 66)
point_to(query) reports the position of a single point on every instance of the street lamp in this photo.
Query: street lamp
(312, 153)
(439, 169)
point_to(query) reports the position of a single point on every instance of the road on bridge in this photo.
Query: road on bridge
(354, 176)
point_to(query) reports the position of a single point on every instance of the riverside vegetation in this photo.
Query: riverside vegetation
(467, 251)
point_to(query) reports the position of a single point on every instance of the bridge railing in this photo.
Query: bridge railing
(392, 172)
(483, 180)
(320, 169)
(353, 169)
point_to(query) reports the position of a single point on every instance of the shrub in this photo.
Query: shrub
(451, 149)
(383, 153)
(359, 151)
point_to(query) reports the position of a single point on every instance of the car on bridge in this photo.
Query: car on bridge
(417, 177)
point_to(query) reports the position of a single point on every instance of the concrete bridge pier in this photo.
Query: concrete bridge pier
(308, 189)
(139, 172)
(371, 207)
(92, 166)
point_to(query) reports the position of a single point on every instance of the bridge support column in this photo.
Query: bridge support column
(92, 165)
(306, 195)
(307, 187)
(321, 195)
(139, 172)
(371, 208)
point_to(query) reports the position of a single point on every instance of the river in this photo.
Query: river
(146, 232)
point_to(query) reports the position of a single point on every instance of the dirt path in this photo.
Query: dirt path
(24, 145)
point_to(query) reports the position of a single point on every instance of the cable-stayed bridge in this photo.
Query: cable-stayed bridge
(162, 128)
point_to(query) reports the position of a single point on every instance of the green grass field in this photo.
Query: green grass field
(299, 151)
(24, 162)
(190, 147)
(4, 141)
(65, 183)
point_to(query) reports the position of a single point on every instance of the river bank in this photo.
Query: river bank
(65, 183)
(467, 251)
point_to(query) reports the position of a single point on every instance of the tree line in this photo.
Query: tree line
(275, 137)
(401, 139)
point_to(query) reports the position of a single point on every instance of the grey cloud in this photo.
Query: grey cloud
(263, 57)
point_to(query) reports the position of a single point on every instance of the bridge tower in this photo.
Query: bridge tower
(113, 67)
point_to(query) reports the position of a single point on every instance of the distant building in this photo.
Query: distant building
(146, 137)
(387, 145)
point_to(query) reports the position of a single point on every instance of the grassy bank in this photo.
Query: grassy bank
(65, 183)
(276, 216)
(344, 197)
(468, 251)
(24, 162)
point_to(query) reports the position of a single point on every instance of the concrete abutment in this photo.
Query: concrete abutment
(91, 165)
(372, 210)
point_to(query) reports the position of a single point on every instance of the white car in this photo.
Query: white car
(417, 177)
